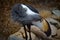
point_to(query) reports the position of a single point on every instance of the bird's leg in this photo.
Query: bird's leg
(25, 32)
(29, 27)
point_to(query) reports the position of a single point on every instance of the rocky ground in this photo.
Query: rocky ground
(10, 30)
(14, 31)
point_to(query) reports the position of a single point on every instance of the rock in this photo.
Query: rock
(56, 12)
(20, 35)
(15, 38)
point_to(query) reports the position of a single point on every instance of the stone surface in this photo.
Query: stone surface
(20, 35)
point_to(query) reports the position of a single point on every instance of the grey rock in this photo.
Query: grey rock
(15, 38)
(56, 12)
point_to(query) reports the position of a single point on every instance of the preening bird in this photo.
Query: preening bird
(25, 14)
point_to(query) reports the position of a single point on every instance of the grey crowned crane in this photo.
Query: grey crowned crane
(26, 15)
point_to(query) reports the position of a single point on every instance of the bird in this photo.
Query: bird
(25, 14)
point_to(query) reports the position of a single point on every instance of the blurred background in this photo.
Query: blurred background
(8, 26)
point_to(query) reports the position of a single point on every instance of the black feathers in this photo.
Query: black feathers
(32, 8)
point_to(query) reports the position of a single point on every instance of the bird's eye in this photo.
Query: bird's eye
(25, 9)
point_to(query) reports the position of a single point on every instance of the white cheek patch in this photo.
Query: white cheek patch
(38, 24)
(28, 12)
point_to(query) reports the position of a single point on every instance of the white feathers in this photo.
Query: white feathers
(29, 12)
